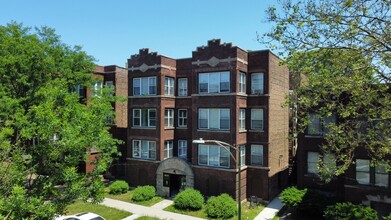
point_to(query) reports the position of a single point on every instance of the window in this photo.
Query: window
(365, 174)
(168, 86)
(362, 171)
(169, 118)
(213, 119)
(81, 91)
(242, 119)
(144, 149)
(182, 118)
(96, 89)
(242, 82)
(182, 87)
(144, 117)
(216, 82)
(212, 155)
(257, 119)
(318, 126)
(257, 154)
(182, 149)
(312, 162)
(110, 84)
(242, 155)
(168, 149)
(144, 86)
(257, 83)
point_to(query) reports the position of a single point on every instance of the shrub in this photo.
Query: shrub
(222, 206)
(349, 211)
(292, 196)
(118, 187)
(388, 217)
(143, 193)
(189, 199)
(314, 203)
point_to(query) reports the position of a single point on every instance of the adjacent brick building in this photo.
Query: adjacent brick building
(220, 93)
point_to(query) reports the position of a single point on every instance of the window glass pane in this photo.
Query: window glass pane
(203, 154)
(381, 176)
(224, 157)
(257, 154)
(242, 119)
(203, 82)
(224, 82)
(314, 125)
(362, 165)
(214, 122)
(182, 148)
(214, 159)
(152, 85)
(312, 162)
(257, 83)
(224, 119)
(136, 117)
(257, 119)
(214, 83)
(152, 150)
(136, 149)
(242, 155)
(144, 150)
(203, 118)
(182, 85)
(152, 117)
(144, 86)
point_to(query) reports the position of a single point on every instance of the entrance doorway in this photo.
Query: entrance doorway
(175, 182)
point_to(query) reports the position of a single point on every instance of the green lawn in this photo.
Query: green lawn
(127, 197)
(106, 212)
(247, 213)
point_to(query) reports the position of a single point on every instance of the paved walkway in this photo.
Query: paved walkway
(157, 210)
(153, 211)
(270, 210)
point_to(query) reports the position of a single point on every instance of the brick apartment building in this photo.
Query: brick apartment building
(361, 183)
(221, 93)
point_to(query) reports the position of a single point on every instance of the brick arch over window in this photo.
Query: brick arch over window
(173, 166)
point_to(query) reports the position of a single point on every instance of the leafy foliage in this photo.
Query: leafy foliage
(189, 199)
(44, 128)
(118, 187)
(349, 211)
(143, 193)
(339, 55)
(222, 206)
(292, 196)
(314, 203)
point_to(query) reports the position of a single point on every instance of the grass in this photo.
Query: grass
(247, 213)
(106, 212)
(127, 197)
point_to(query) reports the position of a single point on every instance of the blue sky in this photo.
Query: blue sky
(112, 31)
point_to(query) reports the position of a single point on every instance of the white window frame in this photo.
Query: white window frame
(214, 111)
(149, 83)
(209, 76)
(242, 119)
(255, 113)
(149, 118)
(169, 84)
(182, 149)
(217, 162)
(242, 82)
(169, 118)
(139, 152)
(257, 154)
(242, 155)
(182, 87)
(168, 149)
(182, 118)
(257, 83)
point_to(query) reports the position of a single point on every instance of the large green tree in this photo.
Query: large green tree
(340, 52)
(44, 127)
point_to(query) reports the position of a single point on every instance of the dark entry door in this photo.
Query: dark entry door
(177, 182)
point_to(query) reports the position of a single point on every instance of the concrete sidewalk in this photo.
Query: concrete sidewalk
(139, 210)
(270, 210)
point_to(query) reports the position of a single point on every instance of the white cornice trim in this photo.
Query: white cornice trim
(213, 61)
(144, 67)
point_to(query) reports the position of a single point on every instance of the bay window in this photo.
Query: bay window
(213, 155)
(182, 87)
(257, 83)
(144, 117)
(144, 149)
(257, 119)
(144, 86)
(215, 82)
(242, 82)
(242, 119)
(169, 86)
(182, 149)
(182, 118)
(169, 118)
(257, 154)
(213, 119)
(168, 149)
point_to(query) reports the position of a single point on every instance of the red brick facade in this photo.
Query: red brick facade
(264, 180)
